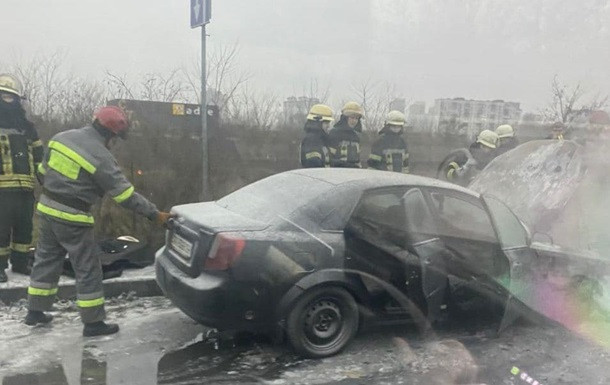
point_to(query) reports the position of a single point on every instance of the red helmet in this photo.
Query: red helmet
(113, 119)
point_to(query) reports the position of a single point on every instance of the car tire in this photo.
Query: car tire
(322, 322)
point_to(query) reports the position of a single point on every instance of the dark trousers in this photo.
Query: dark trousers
(16, 211)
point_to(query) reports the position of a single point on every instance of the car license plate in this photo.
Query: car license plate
(181, 246)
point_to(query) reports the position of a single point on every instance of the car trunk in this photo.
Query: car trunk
(192, 233)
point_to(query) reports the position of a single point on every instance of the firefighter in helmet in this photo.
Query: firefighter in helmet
(343, 138)
(314, 146)
(20, 153)
(461, 166)
(390, 152)
(506, 138)
(78, 169)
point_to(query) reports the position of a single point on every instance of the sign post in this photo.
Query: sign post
(201, 13)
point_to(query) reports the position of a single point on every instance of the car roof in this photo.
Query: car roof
(367, 178)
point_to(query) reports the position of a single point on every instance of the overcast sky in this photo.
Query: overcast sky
(429, 49)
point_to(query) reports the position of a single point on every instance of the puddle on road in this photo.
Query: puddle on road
(248, 360)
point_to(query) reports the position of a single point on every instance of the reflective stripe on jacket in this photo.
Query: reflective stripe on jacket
(20, 155)
(77, 167)
(389, 153)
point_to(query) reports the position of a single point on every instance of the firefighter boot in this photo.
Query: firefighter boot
(3, 276)
(99, 329)
(37, 317)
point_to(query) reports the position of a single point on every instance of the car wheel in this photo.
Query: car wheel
(322, 322)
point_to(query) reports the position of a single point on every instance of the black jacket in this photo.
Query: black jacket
(344, 144)
(507, 145)
(21, 150)
(314, 146)
(389, 152)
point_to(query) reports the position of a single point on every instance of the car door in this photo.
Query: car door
(374, 237)
(466, 230)
(523, 279)
(422, 238)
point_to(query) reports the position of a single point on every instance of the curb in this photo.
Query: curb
(142, 282)
(142, 288)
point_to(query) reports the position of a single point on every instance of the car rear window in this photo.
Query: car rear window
(276, 195)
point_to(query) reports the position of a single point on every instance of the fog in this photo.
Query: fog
(427, 49)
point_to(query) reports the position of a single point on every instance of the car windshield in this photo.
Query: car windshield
(305, 192)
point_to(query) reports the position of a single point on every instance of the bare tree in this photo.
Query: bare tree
(375, 99)
(223, 78)
(258, 110)
(151, 86)
(43, 79)
(567, 102)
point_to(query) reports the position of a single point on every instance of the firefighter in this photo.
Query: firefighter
(343, 138)
(20, 153)
(314, 147)
(506, 139)
(78, 169)
(389, 152)
(461, 166)
(557, 131)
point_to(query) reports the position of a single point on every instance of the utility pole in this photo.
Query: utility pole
(201, 12)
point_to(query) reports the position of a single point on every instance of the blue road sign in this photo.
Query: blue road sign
(201, 12)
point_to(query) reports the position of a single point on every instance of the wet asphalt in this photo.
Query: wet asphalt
(159, 345)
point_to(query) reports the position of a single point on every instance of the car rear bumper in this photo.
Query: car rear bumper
(212, 300)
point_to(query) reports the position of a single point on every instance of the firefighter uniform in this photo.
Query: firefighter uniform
(344, 142)
(462, 165)
(78, 170)
(389, 152)
(20, 153)
(314, 146)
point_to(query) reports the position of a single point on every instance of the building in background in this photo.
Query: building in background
(295, 109)
(469, 117)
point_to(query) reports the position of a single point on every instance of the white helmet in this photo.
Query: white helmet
(505, 131)
(396, 118)
(488, 138)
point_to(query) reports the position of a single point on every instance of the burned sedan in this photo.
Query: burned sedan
(312, 254)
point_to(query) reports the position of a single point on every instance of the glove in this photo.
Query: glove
(163, 217)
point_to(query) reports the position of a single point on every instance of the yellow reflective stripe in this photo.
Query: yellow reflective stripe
(4, 251)
(21, 247)
(90, 302)
(122, 197)
(450, 174)
(63, 165)
(37, 143)
(79, 218)
(313, 154)
(16, 180)
(42, 292)
(332, 150)
(72, 155)
(375, 157)
(41, 169)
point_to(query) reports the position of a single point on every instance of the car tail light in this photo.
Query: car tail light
(224, 252)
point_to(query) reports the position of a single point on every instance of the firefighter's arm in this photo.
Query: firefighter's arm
(35, 144)
(112, 180)
(312, 154)
(41, 168)
(405, 163)
(375, 159)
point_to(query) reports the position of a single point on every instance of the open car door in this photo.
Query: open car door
(524, 276)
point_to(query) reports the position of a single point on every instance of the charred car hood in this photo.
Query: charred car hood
(535, 180)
